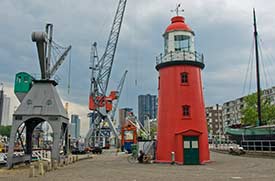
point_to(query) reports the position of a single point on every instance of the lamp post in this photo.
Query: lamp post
(217, 107)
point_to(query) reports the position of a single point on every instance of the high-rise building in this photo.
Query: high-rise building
(6, 120)
(1, 104)
(73, 132)
(123, 113)
(147, 107)
(4, 109)
(75, 126)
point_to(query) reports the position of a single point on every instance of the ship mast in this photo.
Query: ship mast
(257, 70)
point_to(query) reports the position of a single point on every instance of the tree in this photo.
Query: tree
(249, 112)
(5, 130)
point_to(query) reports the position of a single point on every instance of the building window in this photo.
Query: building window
(182, 42)
(159, 83)
(186, 111)
(184, 78)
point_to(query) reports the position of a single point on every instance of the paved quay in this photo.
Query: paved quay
(110, 167)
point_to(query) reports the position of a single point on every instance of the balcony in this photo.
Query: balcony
(180, 56)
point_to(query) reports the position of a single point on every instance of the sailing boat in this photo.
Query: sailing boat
(262, 134)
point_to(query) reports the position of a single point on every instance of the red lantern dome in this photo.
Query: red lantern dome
(177, 23)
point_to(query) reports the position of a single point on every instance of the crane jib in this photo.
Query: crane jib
(102, 105)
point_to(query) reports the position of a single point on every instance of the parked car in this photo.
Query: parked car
(97, 150)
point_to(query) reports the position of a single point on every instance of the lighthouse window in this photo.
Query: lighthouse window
(184, 78)
(186, 110)
(182, 42)
(165, 44)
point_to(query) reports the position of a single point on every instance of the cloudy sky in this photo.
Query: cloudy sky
(223, 34)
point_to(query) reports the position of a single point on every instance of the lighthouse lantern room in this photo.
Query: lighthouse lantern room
(182, 129)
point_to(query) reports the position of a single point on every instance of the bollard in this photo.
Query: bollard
(61, 163)
(76, 158)
(49, 166)
(41, 169)
(66, 161)
(55, 164)
(172, 157)
(32, 171)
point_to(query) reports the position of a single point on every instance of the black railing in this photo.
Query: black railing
(180, 56)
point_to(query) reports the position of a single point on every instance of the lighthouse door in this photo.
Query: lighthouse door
(191, 150)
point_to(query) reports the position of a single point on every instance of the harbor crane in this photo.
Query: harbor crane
(101, 104)
(40, 102)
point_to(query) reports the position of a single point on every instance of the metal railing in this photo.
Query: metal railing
(247, 145)
(180, 56)
(258, 145)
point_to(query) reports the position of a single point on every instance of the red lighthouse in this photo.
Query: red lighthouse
(182, 129)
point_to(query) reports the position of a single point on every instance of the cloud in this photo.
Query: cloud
(223, 30)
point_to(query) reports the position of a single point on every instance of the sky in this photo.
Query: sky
(223, 29)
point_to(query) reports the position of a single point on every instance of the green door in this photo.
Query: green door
(191, 150)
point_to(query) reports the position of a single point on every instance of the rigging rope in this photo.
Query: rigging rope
(250, 59)
(263, 65)
(269, 61)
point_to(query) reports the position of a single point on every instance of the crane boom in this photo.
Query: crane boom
(107, 59)
(44, 45)
(119, 90)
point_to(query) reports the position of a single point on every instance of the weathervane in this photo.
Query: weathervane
(177, 10)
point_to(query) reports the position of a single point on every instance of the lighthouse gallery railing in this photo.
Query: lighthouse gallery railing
(180, 56)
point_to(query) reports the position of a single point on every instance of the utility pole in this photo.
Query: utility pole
(217, 107)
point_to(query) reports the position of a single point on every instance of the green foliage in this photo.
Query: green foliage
(153, 131)
(249, 112)
(5, 130)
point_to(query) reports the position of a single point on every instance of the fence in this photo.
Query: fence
(258, 145)
(248, 145)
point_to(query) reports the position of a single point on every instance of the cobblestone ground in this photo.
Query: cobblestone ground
(108, 166)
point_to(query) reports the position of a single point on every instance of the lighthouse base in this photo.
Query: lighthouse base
(189, 147)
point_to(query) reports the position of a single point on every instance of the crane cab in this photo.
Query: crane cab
(22, 85)
(103, 101)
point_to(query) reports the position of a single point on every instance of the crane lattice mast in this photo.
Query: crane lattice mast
(105, 63)
(99, 102)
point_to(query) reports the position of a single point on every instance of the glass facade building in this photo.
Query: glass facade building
(147, 106)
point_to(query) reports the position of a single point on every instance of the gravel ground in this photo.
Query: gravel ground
(108, 166)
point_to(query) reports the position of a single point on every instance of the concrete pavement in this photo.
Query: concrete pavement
(108, 166)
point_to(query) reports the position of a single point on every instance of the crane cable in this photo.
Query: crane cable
(69, 73)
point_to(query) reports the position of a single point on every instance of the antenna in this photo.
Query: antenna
(177, 10)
